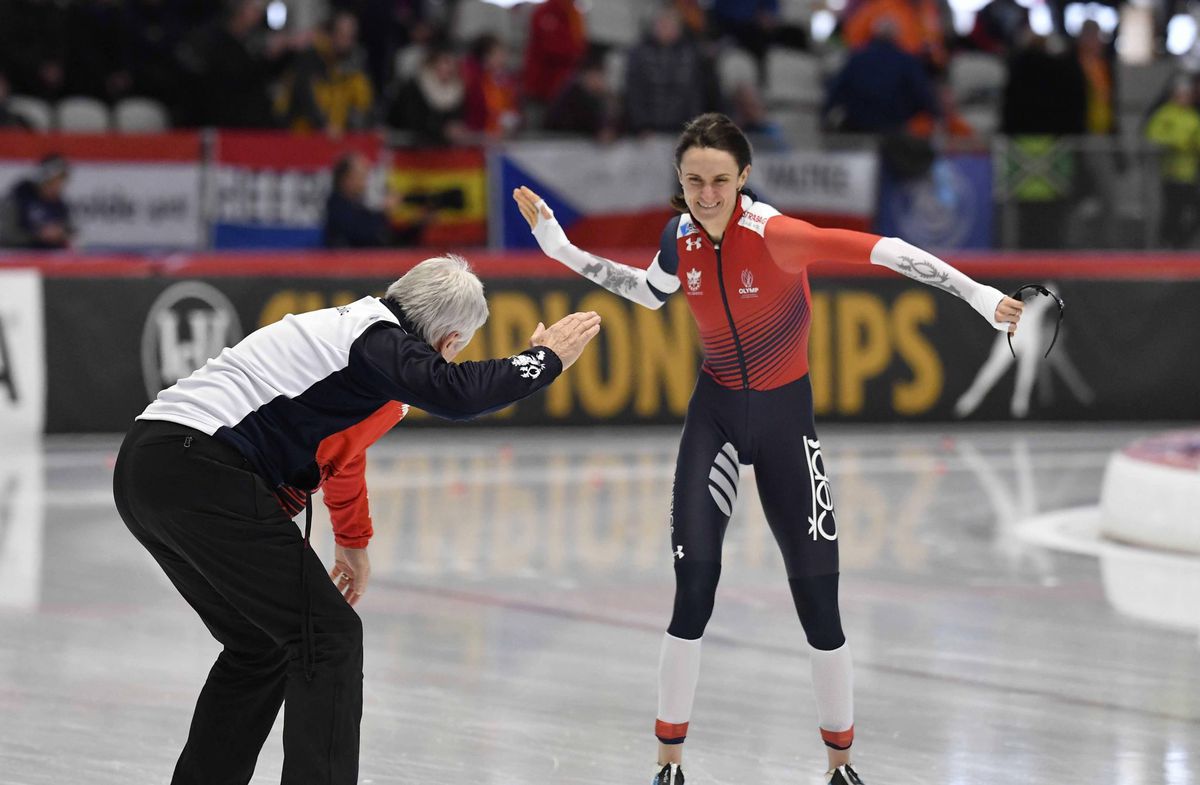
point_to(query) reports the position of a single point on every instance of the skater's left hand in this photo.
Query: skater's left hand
(351, 571)
(1009, 310)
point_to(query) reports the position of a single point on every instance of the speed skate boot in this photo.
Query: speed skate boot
(669, 774)
(843, 775)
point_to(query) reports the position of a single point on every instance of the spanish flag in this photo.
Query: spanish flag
(453, 182)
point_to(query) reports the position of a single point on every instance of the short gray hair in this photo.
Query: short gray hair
(441, 296)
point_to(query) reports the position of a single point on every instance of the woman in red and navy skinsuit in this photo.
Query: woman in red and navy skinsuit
(743, 268)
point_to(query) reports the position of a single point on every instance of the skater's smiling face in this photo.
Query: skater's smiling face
(711, 180)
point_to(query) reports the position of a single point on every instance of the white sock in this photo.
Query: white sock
(678, 672)
(833, 685)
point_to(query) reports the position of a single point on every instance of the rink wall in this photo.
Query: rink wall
(86, 341)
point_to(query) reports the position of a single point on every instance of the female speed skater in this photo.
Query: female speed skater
(743, 268)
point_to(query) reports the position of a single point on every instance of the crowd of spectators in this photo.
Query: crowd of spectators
(373, 63)
(400, 66)
(397, 64)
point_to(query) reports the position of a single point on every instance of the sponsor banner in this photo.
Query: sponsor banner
(268, 189)
(188, 323)
(452, 183)
(882, 349)
(111, 364)
(618, 195)
(22, 521)
(813, 183)
(132, 192)
(950, 207)
(22, 354)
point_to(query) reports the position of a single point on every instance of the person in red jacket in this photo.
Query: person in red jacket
(743, 268)
(557, 44)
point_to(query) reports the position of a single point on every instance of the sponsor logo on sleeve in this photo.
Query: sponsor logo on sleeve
(753, 221)
(530, 365)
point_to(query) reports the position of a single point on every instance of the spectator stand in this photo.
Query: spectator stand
(39, 113)
(81, 114)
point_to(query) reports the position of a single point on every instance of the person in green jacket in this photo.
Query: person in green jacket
(1175, 128)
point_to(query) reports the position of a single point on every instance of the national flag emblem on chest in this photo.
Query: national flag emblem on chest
(693, 280)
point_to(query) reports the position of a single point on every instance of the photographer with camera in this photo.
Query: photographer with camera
(350, 223)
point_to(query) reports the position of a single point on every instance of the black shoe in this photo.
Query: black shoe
(670, 774)
(842, 775)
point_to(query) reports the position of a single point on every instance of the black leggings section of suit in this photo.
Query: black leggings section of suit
(772, 430)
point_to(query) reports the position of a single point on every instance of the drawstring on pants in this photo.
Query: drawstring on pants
(308, 653)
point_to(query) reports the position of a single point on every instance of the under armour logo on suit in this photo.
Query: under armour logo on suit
(678, 551)
(694, 243)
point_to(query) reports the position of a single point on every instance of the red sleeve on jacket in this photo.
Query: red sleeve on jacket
(343, 461)
(795, 244)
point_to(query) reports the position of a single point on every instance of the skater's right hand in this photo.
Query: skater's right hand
(351, 571)
(530, 205)
(567, 336)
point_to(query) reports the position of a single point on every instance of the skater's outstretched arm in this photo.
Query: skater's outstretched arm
(795, 244)
(649, 287)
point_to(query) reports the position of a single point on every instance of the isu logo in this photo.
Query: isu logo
(189, 323)
(693, 276)
(694, 243)
(748, 288)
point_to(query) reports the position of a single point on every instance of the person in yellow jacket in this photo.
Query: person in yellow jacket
(328, 90)
(1175, 128)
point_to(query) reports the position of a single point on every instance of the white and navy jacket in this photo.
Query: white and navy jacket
(287, 387)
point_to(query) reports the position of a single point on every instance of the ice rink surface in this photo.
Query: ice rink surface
(522, 581)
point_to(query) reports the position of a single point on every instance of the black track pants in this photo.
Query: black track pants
(218, 532)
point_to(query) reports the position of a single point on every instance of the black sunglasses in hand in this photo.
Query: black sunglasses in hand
(1019, 294)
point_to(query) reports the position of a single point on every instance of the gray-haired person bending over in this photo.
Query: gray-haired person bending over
(212, 472)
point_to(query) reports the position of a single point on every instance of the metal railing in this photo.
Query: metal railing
(1077, 193)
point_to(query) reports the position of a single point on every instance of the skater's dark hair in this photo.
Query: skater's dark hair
(713, 130)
